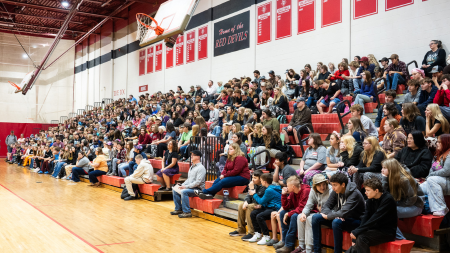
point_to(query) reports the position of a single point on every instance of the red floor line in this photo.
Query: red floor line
(79, 237)
(113, 243)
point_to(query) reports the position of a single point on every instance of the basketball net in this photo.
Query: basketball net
(144, 23)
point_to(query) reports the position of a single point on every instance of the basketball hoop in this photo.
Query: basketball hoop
(144, 24)
(15, 86)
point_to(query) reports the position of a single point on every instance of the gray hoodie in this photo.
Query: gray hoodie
(11, 139)
(316, 199)
(347, 205)
(410, 198)
(196, 177)
(84, 164)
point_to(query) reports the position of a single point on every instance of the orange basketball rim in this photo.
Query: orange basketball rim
(157, 28)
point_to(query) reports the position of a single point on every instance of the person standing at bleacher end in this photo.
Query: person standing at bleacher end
(379, 222)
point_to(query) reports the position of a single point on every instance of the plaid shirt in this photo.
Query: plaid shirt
(122, 155)
(401, 67)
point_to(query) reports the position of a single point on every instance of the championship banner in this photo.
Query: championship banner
(283, 28)
(190, 46)
(395, 4)
(232, 34)
(142, 62)
(180, 50)
(158, 57)
(264, 23)
(364, 8)
(202, 42)
(150, 57)
(331, 12)
(306, 16)
(169, 57)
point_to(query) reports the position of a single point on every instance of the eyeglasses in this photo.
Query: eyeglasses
(431, 43)
(365, 143)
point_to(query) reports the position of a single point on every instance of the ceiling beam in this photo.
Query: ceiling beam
(146, 2)
(42, 27)
(28, 32)
(34, 16)
(48, 8)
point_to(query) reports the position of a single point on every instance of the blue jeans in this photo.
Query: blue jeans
(183, 151)
(311, 101)
(361, 100)
(132, 166)
(357, 84)
(77, 171)
(182, 201)
(289, 231)
(338, 227)
(226, 183)
(31, 163)
(94, 174)
(217, 131)
(123, 167)
(392, 81)
(57, 169)
(114, 166)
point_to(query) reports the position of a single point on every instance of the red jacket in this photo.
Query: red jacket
(295, 202)
(338, 74)
(238, 167)
(144, 139)
(442, 97)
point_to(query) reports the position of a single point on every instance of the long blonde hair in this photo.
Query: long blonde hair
(437, 114)
(368, 156)
(237, 152)
(269, 136)
(373, 60)
(350, 144)
(280, 94)
(195, 130)
(396, 171)
(240, 113)
(257, 132)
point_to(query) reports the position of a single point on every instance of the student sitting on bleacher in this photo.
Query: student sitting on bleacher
(302, 117)
(333, 155)
(142, 175)
(403, 188)
(356, 130)
(82, 167)
(357, 111)
(390, 96)
(413, 92)
(314, 158)
(125, 164)
(438, 181)
(435, 123)
(342, 211)
(315, 93)
(272, 143)
(350, 151)
(379, 222)
(269, 202)
(395, 73)
(442, 97)
(368, 91)
(283, 170)
(100, 167)
(427, 94)
(293, 206)
(370, 163)
(169, 166)
(235, 173)
(268, 119)
(317, 197)
(395, 138)
(411, 119)
(331, 96)
(247, 206)
(162, 144)
(132, 165)
(416, 156)
(185, 139)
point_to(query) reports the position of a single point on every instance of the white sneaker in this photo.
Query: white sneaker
(256, 237)
(57, 177)
(37, 170)
(264, 240)
(440, 213)
(63, 178)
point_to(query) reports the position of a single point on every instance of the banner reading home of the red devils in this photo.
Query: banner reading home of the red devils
(142, 62)
(284, 19)
(179, 56)
(158, 57)
(150, 57)
(169, 57)
(306, 16)
(203, 42)
(264, 23)
(190, 46)
(364, 8)
(394, 4)
(331, 12)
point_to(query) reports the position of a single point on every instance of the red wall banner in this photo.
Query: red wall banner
(142, 62)
(331, 12)
(364, 8)
(158, 57)
(395, 4)
(150, 57)
(306, 16)
(203, 42)
(169, 57)
(143, 88)
(179, 55)
(190, 46)
(264, 23)
(283, 28)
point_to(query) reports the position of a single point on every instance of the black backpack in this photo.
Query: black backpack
(137, 193)
(290, 153)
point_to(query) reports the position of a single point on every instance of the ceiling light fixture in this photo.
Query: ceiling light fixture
(24, 56)
(65, 4)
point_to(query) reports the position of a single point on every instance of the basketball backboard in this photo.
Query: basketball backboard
(173, 16)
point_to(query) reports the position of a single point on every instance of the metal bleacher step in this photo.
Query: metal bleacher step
(227, 213)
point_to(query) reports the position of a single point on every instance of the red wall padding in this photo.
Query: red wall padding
(19, 128)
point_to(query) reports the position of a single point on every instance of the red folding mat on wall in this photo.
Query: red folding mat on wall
(19, 128)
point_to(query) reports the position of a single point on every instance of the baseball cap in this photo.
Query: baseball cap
(198, 86)
(229, 123)
(271, 72)
(319, 178)
(138, 147)
(436, 69)
(364, 59)
(158, 118)
(384, 59)
(262, 77)
(192, 86)
(196, 153)
(109, 143)
(301, 99)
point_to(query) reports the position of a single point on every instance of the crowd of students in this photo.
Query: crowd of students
(400, 159)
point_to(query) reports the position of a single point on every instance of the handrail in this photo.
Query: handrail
(88, 107)
(300, 136)
(97, 104)
(62, 118)
(80, 111)
(340, 117)
(54, 122)
(408, 76)
(258, 153)
(72, 115)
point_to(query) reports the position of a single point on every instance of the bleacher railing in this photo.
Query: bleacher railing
(340, 117)
(80, 112)
(62, 119)
(107, 100)
(54, 122)
(211, 147)
(299, 135)
(98, 104)
(89, 107)
(407, 69)
(252, 160)
(72, 115)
